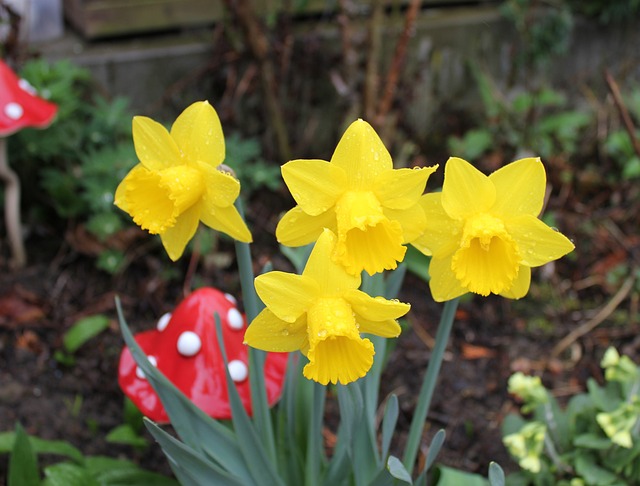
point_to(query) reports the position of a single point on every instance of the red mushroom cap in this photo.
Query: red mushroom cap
(185, 349)
(20, 107)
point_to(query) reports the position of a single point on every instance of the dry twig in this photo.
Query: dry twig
(624, 113)
(590, 325)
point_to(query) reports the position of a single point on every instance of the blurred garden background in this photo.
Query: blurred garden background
(489, 81)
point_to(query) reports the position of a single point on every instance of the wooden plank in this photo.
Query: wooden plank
(104, 18)
(119, 17)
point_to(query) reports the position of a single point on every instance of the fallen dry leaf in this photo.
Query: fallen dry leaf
(471, 351)
(19, 307)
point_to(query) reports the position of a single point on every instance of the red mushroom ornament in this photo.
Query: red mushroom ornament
(184, 347)
(20, 107)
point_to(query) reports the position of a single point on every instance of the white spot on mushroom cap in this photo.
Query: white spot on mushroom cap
(234, 319)
(139, 373)
(13, 110)
(189, 343)
(238, 370)
(163, 322)
(27, 86)
(231, 299)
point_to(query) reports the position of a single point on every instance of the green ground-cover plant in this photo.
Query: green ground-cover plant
(594, 440)
(74, 470)
(518, 120)
(81, 332)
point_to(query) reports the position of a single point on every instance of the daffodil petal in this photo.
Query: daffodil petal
(466, 190)
(227, 220)
(314, 184)
(388, 328)
(362, 155)
(520, 285)
(287, 295)
(341, 359)
(412, 220)
(222, 188)
(269, 333)
(198, 133)
(375, 308)
(538, 243)
(520, 188)
(332, 278)
(401, 188)
(175, 238)
(443, 283)
(442, 233)
(155, 148)
(297, 228)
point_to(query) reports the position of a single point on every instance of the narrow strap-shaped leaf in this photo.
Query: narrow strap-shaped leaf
(394, 281)
(314, 437)
(340, 466)
(389, 424)
(260, 465)
(434, 449)
(194, 427)
(496, 475)
(191, 463)
(397, 470)
(23, 463)
(429, 383)
(253, 305)
(351, 407)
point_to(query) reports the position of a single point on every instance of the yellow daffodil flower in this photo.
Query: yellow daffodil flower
(483, 233)
(177, 183)
(373, 208)
(322, 314)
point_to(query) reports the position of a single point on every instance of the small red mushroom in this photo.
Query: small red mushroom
(185, 349)
(20, 107)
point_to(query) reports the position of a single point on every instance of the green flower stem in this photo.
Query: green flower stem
(429, 383)
(245, 269)
(259, 403)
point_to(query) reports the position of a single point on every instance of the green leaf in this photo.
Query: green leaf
(252, 448)
(417, 263)
(434, 448)
(97, 465)
(587, 467)
(118, 472)
(83, 330)
(125, 434)
(199, 431)
(397, 470)
(496, 475)
(447, 476)
(592, 441)
(188, 463)
(66, 474)
(389, 422)
(42, 446)
(23, 463)
(351, 410)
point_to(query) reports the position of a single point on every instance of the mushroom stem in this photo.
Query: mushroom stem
(12, 208)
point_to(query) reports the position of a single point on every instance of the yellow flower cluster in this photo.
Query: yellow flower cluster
(482, 232)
